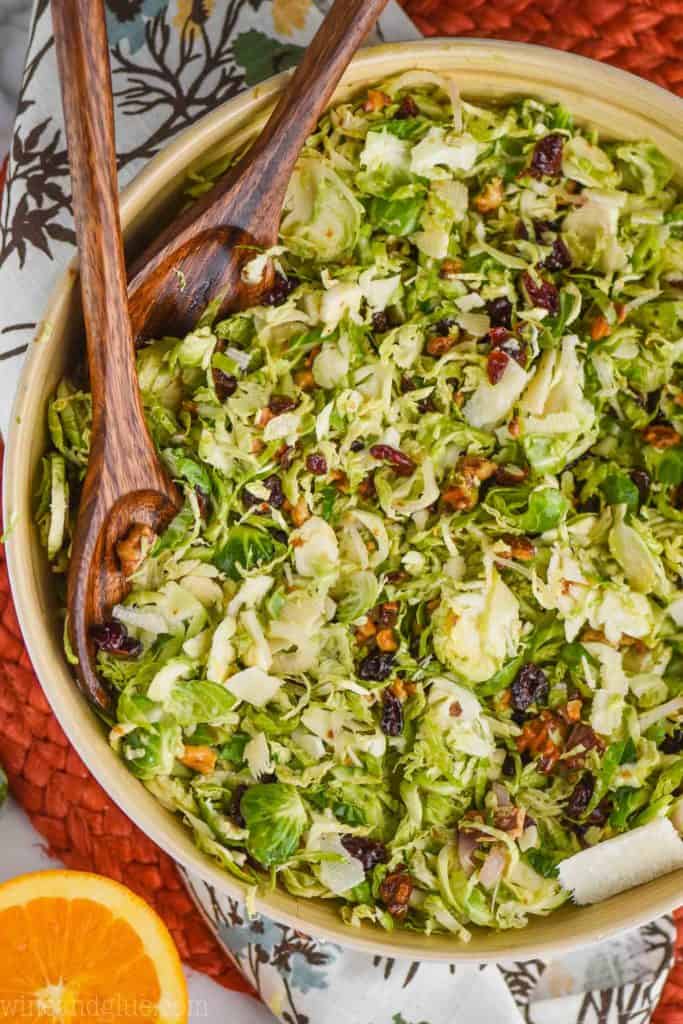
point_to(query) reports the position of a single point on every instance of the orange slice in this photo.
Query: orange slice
(78, 948)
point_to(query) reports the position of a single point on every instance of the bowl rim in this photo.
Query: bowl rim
(664, 108)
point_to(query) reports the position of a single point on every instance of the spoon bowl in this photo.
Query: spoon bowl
(128, 498)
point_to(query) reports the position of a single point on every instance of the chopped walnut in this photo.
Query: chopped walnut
(510, 819)
(132, 548)
(490, 197)
(520, 548)
(305, 380)
(386, 640)
(366, 631)
(377, 100)
(439, 345)
(660, 435)
(299, 512)
(461, 497)
(396, 890)
(544, 738)
(199, 759)
(450, 268)
(477, 467)
(572, 710)
(600, 328)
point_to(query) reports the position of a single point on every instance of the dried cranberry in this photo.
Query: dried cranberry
(581, 796)
(224, 384)
(386, 614)
(426, 405)
(357, 445)
(547, 155)
(496, 364)
(559, 257)
(281, 290)
(376, 666)
(498, 335)
(316, 464)
(509, 768)
(274, 485)
(202, 502)
(281, 403)
(443, 327)
(276, 497)
(591, 506)
(395, 892)
(402, 464)
(509, 475)
(280, 536)
(368, 851)
(582, 735)
(542, 293)
(542, 228)
(508, 343)
(286, 455)
(112, 638)
(407, 108)
(392, 714)
(521, 231)
(380, 322)
(641, 478)
(235, 807)
(673, 744)
(600, 814)
(530, 686)
(500, 312)
(518, 717)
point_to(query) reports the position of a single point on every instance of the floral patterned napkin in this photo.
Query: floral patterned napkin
(306, 981)
(172, 62)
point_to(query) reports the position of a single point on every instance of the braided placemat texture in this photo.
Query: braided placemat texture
(645, 38)
(81, 826)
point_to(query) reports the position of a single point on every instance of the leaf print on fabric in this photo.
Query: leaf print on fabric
(126, 20)
(39, 176)
(179, 77)
(261, 56)
(289, 15)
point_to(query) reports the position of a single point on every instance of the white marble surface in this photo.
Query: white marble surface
(14, 20)
(21, 851)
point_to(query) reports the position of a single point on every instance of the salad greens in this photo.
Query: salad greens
(416, 634)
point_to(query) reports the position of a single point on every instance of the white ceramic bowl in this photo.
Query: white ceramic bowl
(620, 105)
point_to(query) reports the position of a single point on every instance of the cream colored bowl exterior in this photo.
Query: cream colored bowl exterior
(617, 103)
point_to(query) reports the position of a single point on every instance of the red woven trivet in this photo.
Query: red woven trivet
(80, 824)
(645, 38)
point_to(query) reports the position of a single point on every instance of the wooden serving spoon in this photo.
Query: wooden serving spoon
(126, 489)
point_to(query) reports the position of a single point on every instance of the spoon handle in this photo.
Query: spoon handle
(83, 56)
(345, 27)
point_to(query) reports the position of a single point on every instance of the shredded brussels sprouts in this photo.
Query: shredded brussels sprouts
(416, 635)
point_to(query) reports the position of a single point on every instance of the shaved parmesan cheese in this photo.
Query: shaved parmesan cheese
(285, 426)
(339, 875)
(432, 243)
(222, 653)
(491, 403)
(166, 678)
(254, 686)
(668, 710)
(329, 367)
(138, 618)
(438, 151)
(257, 756)
(618, 864)
(316, 551)
(250, 593)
